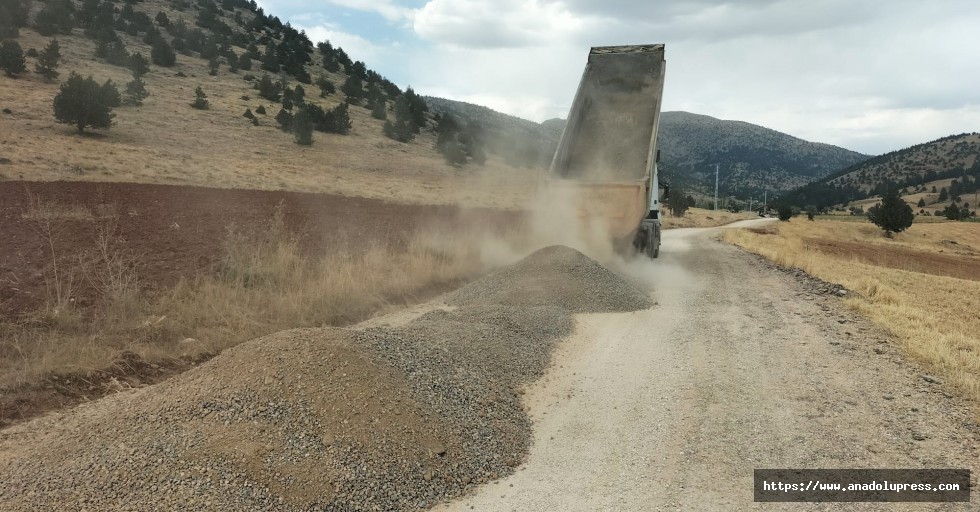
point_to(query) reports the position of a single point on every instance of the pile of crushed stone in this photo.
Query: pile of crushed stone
(384, 418)
(556, 276)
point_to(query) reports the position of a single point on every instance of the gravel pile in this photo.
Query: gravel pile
(321, 419)
(555, 276)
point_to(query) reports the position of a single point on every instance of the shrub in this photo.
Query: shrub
(302, 128)
(268, 89)
(248, 114)
(380, 110)
(110, 94)
(784, 212)
(162, 54)
(893, 214)
(136, 91)
(12, 58)
(47, 61)
(82, 103)
(260, 109)
(139, 65)
(200, 99)
(285, 120)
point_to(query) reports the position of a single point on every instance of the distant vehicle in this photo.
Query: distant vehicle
(607, 156)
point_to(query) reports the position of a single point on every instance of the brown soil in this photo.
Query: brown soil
(178, 231)
(169, 233)
(958, 266)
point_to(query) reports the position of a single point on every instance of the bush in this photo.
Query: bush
(260, 110)
(139, 65)
(47, 61)
(12, 58)
(248, 114)
(162, 54)
(784, 212)
(380, 110)
(285, 120)
(82, 103)
(303, 128)
(893, 214)
(136, 91)
(110, 94)
(268, 89)
(200, 99)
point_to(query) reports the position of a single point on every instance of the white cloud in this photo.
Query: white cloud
(497, 24)
(386, 8)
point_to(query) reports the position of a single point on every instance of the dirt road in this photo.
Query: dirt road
(739, 367)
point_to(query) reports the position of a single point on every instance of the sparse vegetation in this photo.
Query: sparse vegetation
(904, 284)
(200, 99)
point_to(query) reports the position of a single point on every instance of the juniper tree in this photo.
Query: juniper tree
(302, 128)
(82, 103)
(47, 61)
(138, 65)
(136, 91)
(12, 58)
(163, 54)
(893, 214)
(200, 99)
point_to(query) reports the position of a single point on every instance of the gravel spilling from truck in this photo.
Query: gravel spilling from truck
(329, 419)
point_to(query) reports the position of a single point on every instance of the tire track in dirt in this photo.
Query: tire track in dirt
(737, 368)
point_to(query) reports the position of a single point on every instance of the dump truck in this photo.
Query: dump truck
(607, 155)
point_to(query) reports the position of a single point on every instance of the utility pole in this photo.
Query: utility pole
(716, 187)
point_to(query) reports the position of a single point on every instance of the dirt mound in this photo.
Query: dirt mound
(392, 418)
(555, 276)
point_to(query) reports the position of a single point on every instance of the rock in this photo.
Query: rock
(932, 380)
(918, 436)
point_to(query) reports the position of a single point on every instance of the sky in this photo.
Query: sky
(871, 76)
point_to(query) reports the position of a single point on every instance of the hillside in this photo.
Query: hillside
(923, 171)
(166, 141)
(751, 157)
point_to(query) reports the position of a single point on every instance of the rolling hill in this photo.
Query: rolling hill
(751, 157)
(951, 163)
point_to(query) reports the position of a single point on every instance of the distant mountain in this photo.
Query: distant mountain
(952, 157)
(750, 157)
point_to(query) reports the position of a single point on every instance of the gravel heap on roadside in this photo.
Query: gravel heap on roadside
(321, 419)
(555, 276)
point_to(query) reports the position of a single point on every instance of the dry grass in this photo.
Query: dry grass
(701, 218)
(264, 284)
(934, 317)
(165, 141)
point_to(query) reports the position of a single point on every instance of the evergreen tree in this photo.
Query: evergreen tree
(922, 202)
(285, 120)
(162, 54)
(302, 128)
(138, 65)
(893, 214)
(136, 91)
(380, 110)
(952, 212)
(326, 86)
(55, 17)
(401, 129)
(162, 19)
(248, 114)
(200, 99)
(245, 62)
(110, 94)
(260, 110)
(81, 102)
(353, 89)
(943, 195)
(213, 66)
(270, 62)
(47, 61)
(12, 58)
(269, 89)
(677, 202)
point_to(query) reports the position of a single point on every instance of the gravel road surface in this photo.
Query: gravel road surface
(740, 366)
